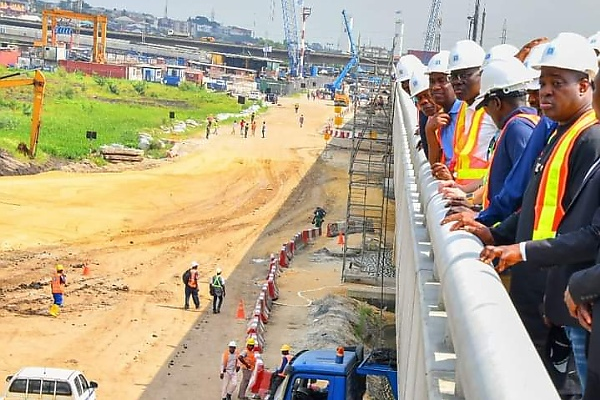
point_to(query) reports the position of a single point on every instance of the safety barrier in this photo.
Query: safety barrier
(455, 321)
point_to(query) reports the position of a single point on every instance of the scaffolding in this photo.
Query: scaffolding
(369, 257)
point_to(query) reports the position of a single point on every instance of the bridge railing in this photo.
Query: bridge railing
(459, 335)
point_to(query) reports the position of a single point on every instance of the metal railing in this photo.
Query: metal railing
(459, 335)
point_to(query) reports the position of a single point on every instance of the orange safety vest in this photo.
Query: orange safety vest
(249, 359)
(549, 210)
(289, 360)
(459, 130)
(193, 281)
(226, 355)
(533, 119)
(468, 166)
(57, 287)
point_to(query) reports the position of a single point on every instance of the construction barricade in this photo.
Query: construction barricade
(260, 379)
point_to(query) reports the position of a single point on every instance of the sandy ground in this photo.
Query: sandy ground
(228, 203)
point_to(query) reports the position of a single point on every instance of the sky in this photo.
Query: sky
(374, 20)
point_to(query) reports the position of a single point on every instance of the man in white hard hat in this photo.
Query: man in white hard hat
(568, 66)
(419, 87)
(472, 142)
(190, 280)
(217, 290)
(406, 66)
(595, 42)
(442, 126)
(230, 366)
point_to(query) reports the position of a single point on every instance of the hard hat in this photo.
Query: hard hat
(232, 344)
(534, 58)
(250, 342)
(572, 52)
(503, 77)
(285, 347)
(595, 41)
(406, 66)
(59, 267)
(439, 63)
(194, 264)
(500, 52)
(419, 82)
(465, 54)
(219, 271)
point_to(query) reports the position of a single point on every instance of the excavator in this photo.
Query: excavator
(39, 84)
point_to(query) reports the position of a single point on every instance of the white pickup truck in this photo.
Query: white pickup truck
(38, 383)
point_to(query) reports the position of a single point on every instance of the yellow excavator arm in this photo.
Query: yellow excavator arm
(39, 84)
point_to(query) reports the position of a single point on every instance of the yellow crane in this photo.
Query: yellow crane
(39, 84)
(100, 23)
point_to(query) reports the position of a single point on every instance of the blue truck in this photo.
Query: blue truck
(335, 374)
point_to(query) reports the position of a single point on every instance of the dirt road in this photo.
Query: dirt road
(138, 231)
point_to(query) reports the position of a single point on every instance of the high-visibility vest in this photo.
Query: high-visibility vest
(459, 130)
(549, 210)
(57, 287)
(534, 119)
(289, 360)
(468, 166)
(216, 281)
(193, 281)
(249, 359)
(227, 358)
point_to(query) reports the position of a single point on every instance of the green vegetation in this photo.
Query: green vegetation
(116, 109)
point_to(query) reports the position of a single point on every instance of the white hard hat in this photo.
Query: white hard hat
(438, 63)
(406, 66)
(503, 76)
(194, 264)
(419, 82)
(219, 271)
(500, 52)
(465, 54)
(232, 344)
(572, 52)
(533, 58)
(595, 41)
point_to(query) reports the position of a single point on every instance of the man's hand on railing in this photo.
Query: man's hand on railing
(453, 193)
(461, 209)
(507, 255)
(466, 222)
(440, 171)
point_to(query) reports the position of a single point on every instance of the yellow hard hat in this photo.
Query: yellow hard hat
(250, 342)
(285, 347)
(59, 267)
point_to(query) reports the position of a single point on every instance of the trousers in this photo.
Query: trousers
(229, 384)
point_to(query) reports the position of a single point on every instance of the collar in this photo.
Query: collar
(455, 107)
(518, 110)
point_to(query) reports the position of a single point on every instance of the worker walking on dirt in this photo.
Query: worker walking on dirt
(233, 127)
(253, 128)
(318, 217)
(248, 361)
(216, 126)
(296, 107)
(264, 129)
(207, 130)
(230, 366)
(252, 116)
(217, 291)
(279, 374)
(190, 278)
(58, 283)
(242, 124)
(301, 120)
(246, 127)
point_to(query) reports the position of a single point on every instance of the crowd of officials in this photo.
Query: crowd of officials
(513, 137)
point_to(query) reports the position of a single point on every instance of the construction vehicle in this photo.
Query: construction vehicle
(39, 84)
(99, 25)
(335, 374)
(340, 97)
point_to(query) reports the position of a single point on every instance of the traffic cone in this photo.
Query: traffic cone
(341, 239)
(86, 270)
(241, 313)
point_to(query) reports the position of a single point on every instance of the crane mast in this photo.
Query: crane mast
(433, 26)
(290, 27)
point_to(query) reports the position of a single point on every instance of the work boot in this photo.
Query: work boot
(228, 397)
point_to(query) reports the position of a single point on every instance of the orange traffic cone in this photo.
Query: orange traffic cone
(341, 239)
(86, 270)
(241, 313)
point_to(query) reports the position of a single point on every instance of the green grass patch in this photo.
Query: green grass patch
(116, 109)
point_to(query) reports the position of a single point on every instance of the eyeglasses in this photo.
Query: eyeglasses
(463, 76)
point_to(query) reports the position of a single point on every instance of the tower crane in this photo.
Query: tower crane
(290, 27)
(433, 26)
(337, 83)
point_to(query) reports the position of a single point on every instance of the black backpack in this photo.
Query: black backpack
(186, 276)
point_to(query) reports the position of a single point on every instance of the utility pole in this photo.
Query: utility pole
(306, 11)
(503, 37)
(482, 27)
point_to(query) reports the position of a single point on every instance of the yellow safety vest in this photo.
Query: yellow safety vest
(549, 210)
(469, 167)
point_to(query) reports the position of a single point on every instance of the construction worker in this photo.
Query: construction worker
(318, 217)
(230, 366)
(263, 130)
(408, 65)
(470, 162)
(296, 107)
(567, 67)
(442, 126)
(279, 374)
(419, 89)
(248, 361)
(217, 290)
(253, 127)
(252, 116)
(58, 283)
(191, 287)
(233, 127)
(301, 120)
(595, 42)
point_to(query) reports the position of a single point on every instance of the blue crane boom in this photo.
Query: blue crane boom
(290, 27)
(337, 83)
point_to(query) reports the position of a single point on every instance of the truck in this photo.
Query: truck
(335, 374)
(42, 383)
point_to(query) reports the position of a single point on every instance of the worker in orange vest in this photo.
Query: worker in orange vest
(58, 283)
(279, 374)
(230, 365)
(191, 286)
(248, 361)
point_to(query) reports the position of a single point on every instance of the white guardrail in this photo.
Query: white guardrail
(458, 334)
